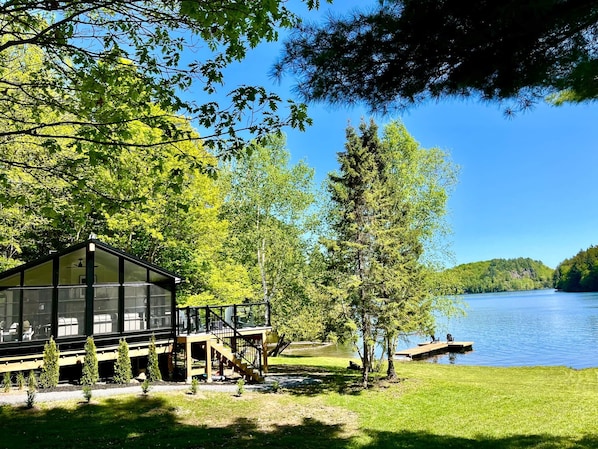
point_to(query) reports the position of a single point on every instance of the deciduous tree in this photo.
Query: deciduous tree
(102, 65)
(268, 207)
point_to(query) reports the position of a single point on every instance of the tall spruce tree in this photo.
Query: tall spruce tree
(388, 202)
(354, 195)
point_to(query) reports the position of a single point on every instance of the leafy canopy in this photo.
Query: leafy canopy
(101, 65)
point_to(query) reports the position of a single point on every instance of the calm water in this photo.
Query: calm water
(523, 328)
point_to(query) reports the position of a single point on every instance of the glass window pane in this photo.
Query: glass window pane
(11, 281)
(106, 268)
(71, 268)
(9, 315)
(105, 310)
(37, 313)
(160, 307)
(134, 272)
(135, 308)
(71, 312)
(40, 275)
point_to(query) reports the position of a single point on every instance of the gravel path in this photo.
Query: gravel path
(284, 380)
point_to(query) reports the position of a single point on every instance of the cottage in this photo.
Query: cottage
(94, 289)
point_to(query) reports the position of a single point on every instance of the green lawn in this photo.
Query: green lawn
(432, 406)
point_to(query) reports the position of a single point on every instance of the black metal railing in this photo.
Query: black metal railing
(195, 320)
(244, 348)
(225, 322)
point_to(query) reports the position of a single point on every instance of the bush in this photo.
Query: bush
(31, 389)
(31, 394)
(122, 367)
(87, 393)
(194, 385)
(90, 375)
(7, 382)
(31, 381)
(153, 368)
(240, 387)
(21, 382)
(146, 386)
(50, 373)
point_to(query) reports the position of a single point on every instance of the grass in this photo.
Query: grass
(432, 406)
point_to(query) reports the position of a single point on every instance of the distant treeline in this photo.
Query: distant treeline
(503, 275)
(579, 273)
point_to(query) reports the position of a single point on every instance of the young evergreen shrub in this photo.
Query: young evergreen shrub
(50, 373)
(146, 386)
(122, 367)
(31, 394)
(7, 382)
(194, 385)
(31, 389)
(87, 393)
(31, 381)
(240, 387)
(153, 369)
(90, 374)
(21, 382)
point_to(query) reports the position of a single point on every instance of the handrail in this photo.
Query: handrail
(241, 346)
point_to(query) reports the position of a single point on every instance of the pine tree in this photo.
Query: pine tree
(122, 367)
(90, 374)
(50, 373)
(153, 368)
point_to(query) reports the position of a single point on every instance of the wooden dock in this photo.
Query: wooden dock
(424, 350)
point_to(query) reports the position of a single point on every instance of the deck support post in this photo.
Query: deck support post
(188, 361)
(208, 361)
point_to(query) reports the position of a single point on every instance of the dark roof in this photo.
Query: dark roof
(99, 244)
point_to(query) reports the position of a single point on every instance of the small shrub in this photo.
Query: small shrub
(122, 367)
(21, 382)
(275, 386)
(31, 381)
(87, 393)
(50, 373)
(90, 375)
(31, 396)
(7, 382)
(146, 386)
(153, 368)
(240, 387)
(194, 385)
(31, 389)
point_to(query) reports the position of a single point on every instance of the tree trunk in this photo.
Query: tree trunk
(391, 374)
(280, 346)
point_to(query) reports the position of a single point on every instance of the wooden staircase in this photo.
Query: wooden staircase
(238, 364)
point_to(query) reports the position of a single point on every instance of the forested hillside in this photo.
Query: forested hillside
(579, 273)
(501, 275)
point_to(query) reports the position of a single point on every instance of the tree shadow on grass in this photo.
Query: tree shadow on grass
(321, 380)
(136, 423)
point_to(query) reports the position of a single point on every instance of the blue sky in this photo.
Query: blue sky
(527, 185)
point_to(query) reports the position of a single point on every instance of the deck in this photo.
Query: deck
(429, 349)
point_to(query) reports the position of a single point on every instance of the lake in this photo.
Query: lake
(540, 327)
